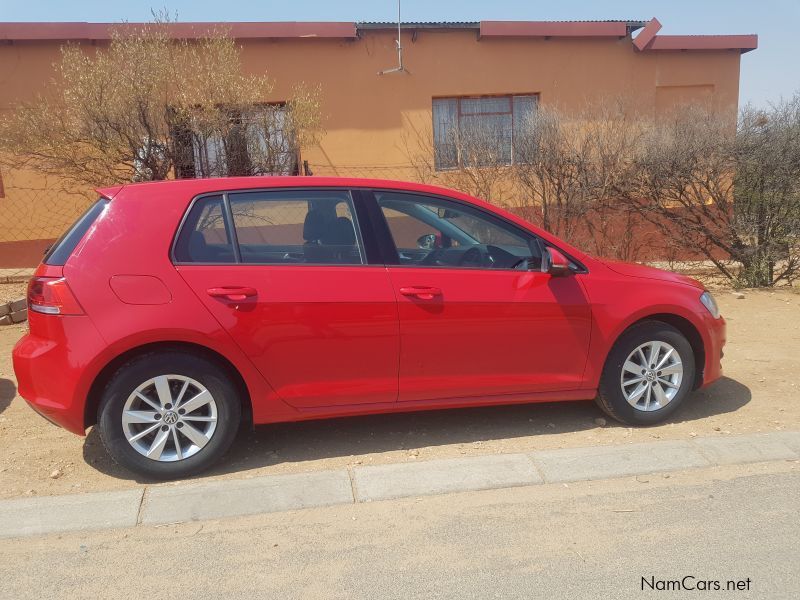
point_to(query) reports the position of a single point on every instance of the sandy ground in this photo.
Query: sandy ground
(12, 291)
(761, 392)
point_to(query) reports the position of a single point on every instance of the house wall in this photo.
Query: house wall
(373, 123)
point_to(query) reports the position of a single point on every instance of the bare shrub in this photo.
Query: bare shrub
(150, 106)
(576, 169)
(730, 196)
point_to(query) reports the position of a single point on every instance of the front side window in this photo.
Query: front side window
(285, 227)
(433, 232)
(479, 132)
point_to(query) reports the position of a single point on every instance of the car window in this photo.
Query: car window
(59, 253)
(303, 227)
(205, 236)
(433, 232)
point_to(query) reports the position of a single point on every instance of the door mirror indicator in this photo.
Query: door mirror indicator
(554, 262)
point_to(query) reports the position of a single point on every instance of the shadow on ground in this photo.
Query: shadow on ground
(7, 393)
(314, 440)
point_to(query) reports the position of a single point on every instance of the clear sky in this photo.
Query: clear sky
(771, 71)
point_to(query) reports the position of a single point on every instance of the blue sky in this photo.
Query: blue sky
(767, 73)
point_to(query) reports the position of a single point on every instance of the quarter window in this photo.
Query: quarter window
(205, 237)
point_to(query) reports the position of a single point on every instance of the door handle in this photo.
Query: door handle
(422, 292)
(232, 293)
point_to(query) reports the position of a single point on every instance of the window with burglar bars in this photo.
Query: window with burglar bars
(476, 132)
(257, 142)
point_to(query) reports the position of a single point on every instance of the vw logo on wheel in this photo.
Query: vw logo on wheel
(170, 418)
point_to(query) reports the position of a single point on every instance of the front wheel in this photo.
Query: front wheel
(647, 375)
(168, 415)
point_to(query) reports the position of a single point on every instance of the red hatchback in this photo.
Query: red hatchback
(171, 312)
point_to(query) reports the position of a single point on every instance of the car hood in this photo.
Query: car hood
(645, 272)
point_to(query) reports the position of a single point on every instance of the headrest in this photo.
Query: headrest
(314, 225)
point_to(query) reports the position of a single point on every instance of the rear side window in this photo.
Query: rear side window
(283, 227)
(272, 227)
(59, 253)
(205, 236)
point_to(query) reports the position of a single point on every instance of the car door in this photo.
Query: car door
(478, 318)
(285, 273)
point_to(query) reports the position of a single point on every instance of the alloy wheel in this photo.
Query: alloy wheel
(169, 418)
(651, 376)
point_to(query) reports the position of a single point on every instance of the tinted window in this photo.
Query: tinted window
(304, 227)
(205, 237)
(432, 232)
(65, 245)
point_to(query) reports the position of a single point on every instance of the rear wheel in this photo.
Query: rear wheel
(169, 415)
(647, 375)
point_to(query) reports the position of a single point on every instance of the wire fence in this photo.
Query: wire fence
(39, 213)
(32, 216)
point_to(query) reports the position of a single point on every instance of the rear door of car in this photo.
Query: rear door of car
(478, 318)
(286, 273)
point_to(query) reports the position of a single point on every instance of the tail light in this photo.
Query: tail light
(52, 296)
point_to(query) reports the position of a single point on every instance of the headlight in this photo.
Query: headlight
(708, 301)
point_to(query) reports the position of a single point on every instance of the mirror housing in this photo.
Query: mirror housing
(554, 262)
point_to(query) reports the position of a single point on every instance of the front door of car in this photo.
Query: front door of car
(477, 316)
(285, 273)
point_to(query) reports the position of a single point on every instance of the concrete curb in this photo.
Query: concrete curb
(400, 480)
(56, 514)
(273, 493)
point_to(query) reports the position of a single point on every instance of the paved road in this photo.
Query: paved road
(586, 539)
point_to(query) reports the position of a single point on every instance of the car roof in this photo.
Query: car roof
(215, 184)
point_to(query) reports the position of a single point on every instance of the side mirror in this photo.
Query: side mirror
(554, 262)
(427, 241)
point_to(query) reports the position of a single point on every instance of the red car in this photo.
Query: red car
(172, 312)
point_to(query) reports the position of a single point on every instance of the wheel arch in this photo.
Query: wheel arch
(688, 330)
(104, 375)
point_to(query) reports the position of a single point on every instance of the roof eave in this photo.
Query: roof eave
(743, 43)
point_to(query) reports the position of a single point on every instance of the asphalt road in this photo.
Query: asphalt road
(579, 540)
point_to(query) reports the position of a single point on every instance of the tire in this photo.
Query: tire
(192, 441)
(654, 405)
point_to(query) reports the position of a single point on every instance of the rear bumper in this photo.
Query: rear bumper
(714, 341)
(50, 366)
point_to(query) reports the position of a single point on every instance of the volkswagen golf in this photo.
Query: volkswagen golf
(171, 313)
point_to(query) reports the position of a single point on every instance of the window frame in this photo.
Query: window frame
(459, 114)
(372, 230)
(184, 136)
(230, 228)
(391, 254)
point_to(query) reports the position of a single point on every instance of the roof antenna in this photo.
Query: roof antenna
(399, 68)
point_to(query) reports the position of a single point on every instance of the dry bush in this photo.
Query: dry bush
(575, 169)
(731, 196)
(482, 168)
(766, 210)
(150, 106)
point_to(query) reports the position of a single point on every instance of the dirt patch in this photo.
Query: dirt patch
(759, 393)
(12, 291)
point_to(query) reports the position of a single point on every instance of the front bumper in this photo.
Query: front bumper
(714, 339)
